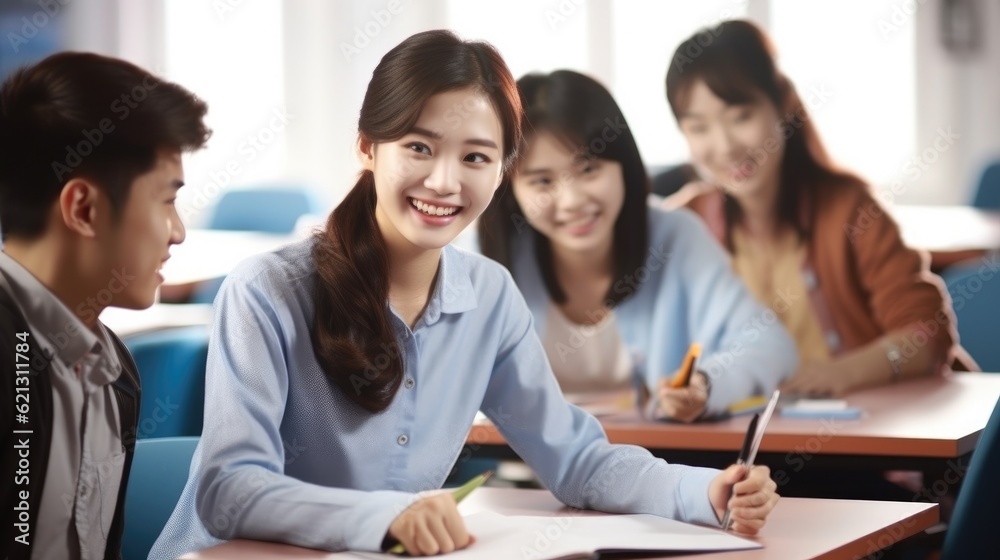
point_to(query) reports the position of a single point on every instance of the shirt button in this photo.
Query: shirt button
(402, 439)
(409, 383)
(809, 279)
(832, 340)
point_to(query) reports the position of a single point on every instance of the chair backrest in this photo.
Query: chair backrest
(266, 209)
(972, 532)
(667, 181)
(988, 191)
(171, 364)
(975, 294)
(159, 473)
(206, 290)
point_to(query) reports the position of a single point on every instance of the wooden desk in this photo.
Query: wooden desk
(918, 425)
(950, 233)
(799, 528)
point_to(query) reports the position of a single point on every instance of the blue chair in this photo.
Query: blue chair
(171, 364)
(988, 192)
(265, 209)
(972, 532)
(977, 306)
(159, 473)
(206, 291)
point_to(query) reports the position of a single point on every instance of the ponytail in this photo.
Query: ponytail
(353, 337)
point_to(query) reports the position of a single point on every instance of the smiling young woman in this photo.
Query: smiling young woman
(619, 291)
(353, 347)
(864, 308)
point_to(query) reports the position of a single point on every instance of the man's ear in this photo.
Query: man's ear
(79, 207)
(366, 153)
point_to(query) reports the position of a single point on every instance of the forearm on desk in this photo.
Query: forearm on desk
(869, 366)
(255, 503)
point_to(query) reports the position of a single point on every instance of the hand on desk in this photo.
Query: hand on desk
(432, 525)
(750, 497)
(819, 379)
(686, 403)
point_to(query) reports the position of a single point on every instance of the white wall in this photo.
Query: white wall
(960, 93)
(327, 49)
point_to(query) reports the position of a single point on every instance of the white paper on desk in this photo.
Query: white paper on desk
(540, 538)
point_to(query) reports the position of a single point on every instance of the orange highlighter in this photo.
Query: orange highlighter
(683, 377)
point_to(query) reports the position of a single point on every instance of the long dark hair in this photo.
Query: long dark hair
(583, 114)
(736, 60)
(353, 337)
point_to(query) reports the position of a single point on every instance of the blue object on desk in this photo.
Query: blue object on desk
(850, 413)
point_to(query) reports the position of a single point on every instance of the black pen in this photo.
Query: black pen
(743, 460)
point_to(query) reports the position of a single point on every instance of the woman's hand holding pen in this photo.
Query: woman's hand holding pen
(750, 497)
(684, 403)
(432, 525)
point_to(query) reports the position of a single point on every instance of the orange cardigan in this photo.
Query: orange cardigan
(870, 281)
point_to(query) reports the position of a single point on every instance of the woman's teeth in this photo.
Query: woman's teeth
(432, 210)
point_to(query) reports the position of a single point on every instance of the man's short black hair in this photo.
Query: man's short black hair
(88, 116)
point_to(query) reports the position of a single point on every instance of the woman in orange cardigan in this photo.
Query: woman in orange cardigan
(809, 240)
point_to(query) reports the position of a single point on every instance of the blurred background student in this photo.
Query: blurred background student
(619, 290)
(808, 238)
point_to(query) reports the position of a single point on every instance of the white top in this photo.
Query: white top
(587, 359)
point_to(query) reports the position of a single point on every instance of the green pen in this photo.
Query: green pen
(459, 494)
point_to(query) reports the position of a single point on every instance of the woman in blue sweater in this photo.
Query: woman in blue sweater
(619, 290)
(344, 371)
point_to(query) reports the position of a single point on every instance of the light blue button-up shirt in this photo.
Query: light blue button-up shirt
(685, 291)
(286, 456)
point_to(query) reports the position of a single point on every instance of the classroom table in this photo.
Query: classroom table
(127, 322)
(930, 425)
(207, 254)
(950, 234)
(798, 528)
(210, 253)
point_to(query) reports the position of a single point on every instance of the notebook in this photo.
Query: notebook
(579, 537)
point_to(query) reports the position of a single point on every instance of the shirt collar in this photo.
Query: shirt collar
(453, 292)
(70, 340)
